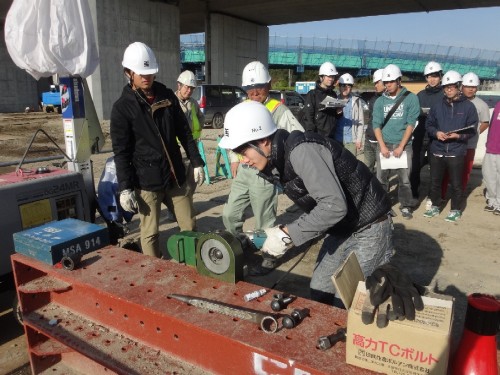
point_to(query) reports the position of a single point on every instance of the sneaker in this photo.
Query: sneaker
(431, 212)
(453, 216)
(428, 204)
(406, 213)
(497, 211)
(489, 208)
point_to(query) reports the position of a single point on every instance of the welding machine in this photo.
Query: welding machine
(35, 197)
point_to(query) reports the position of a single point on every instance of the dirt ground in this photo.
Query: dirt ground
(456, 259)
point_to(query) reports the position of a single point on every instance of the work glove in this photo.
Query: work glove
(277, 241)
(393, 293)
(199, 175)
(128, 201)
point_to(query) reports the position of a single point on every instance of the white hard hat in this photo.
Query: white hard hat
(246, 122)
(327, 69)
(432, 67)
(346, 79)
(470, 79)
(377, 76)
(391, 72)
(187, 78)
(139, 58)
(255, 73)
(451, 77)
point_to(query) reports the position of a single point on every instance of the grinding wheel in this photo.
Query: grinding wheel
(219, 255)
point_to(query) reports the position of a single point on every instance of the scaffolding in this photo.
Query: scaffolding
(362, 54)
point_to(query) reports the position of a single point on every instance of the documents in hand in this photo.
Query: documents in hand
(330, 102)
(393, 162)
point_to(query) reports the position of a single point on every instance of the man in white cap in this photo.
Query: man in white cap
(317, 117)
(247, 187)
(146, 122)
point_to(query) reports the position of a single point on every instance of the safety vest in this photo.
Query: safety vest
(272, 104)
(195, 122)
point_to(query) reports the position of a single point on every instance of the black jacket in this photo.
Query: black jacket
(370, 134)
(366, 199)
(137, 130)
(448, 117)
(322, 122)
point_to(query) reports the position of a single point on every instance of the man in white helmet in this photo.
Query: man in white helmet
(317, 118)
(248, 188)
(470, 83)
(351, 125)
(339, 195)
(431, 94)
(450, 124)
(370, 149)
(146, 122)
(395, 114)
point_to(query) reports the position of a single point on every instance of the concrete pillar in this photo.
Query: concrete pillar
(19, 89)
(233, 44)
(121, 22)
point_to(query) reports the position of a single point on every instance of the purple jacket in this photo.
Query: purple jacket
(493, 140)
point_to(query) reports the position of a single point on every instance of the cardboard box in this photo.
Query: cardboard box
(419, 347)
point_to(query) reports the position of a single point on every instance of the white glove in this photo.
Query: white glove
(128, 201)
(277, 242)
(199, 175)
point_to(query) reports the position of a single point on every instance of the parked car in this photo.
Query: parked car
(292, 99)
(216, 100)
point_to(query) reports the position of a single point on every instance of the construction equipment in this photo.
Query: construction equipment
(51, 100)
(64, 241)
(218, 254)
(34, 197)
(267, 323)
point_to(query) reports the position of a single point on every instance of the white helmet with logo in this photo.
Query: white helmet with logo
(187, 78)
(391, 72)
(346, 79)
(432, 67)
(255, 73)
(139, 58)
(327, 69)
(470, 79)
(377, 76)
(451, 77)
(246, 122)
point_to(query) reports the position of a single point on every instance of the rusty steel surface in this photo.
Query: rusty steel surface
(116, 317)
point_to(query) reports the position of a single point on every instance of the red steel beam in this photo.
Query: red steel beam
(113, 313)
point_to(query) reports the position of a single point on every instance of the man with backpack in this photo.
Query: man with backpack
(395, 114)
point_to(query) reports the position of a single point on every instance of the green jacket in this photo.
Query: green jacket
(405, 115)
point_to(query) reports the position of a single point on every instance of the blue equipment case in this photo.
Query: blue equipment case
(56, 239)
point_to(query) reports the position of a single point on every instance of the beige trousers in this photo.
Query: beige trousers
(179, 200)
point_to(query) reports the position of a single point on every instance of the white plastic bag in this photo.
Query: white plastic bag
(46, 37)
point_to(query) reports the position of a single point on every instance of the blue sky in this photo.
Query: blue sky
(477, 27)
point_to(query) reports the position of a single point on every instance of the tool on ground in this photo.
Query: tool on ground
(294, 319)
(281, 301)
(326, 342)
(255, 294)
(268, 323)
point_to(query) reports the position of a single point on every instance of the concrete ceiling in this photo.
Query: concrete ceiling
(278, 12)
